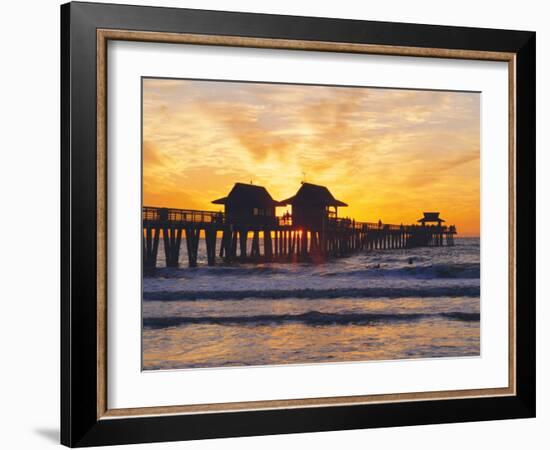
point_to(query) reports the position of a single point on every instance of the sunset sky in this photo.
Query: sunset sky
(390, 154)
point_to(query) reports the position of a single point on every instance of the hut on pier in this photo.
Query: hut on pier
(313, 206)
(431, 218)
(248, 204)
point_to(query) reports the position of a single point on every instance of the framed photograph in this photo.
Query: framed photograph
(276, 224)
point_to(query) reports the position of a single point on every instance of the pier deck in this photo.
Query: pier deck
(282, 241)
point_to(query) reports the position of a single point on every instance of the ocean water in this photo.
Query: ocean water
(376, 305)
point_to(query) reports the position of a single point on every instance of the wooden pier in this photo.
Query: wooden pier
(264, 238)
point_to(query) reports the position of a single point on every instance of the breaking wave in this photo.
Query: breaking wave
(389, 292)
(442, 270)
(308, 318)
(458, 270)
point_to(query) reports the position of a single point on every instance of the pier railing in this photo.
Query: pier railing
(194, 216)
(172, 215)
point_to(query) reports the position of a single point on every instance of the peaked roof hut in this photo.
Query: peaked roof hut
(313, 194)
(311, 206)
(248, 204)
(431, 217)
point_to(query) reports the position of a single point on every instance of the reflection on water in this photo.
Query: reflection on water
(380, 307)
(218, 346)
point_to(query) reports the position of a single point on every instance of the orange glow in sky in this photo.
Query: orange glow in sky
(389, 153)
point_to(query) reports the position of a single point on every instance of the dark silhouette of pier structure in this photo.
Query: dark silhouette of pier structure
(250, 231)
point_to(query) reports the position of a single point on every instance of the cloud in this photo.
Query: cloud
(389, 153)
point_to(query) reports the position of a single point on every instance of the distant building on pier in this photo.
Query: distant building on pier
(249, 204)
(312, 205)
(431, 218)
